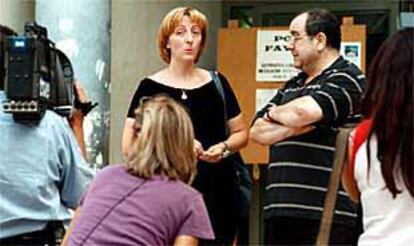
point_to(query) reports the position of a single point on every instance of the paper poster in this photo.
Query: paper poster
(263, 96)
(274, 61)
(351, 51)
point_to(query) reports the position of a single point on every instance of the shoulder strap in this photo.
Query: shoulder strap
(330, 198)
(217, 83)
(110, 209)
(361, 135)
(219, 87)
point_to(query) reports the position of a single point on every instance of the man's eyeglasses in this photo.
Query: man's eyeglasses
(296, 38)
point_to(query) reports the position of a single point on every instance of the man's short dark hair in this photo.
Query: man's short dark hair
(4, 32)
(321, 20)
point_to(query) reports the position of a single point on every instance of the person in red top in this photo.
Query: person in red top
(380, 173)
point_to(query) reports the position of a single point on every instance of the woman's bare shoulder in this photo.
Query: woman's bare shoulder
(203, 74)
(159, 75)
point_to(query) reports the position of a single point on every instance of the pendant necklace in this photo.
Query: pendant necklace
(183, 95)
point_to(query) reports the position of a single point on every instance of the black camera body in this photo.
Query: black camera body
(38, 76)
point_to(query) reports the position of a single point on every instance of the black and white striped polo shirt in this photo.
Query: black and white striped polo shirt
(300, 166)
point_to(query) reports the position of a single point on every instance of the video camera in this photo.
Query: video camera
(38, 76)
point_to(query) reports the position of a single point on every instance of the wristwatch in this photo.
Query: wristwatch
(226, 151)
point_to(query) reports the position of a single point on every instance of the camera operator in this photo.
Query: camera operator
(42, 171)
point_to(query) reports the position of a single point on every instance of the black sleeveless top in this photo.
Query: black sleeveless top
(203, 103)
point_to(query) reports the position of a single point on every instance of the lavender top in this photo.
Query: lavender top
(121, 209)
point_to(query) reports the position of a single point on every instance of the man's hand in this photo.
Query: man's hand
(268, 118)
(81, 94)
(299, 112)
(267, 132)
(77, 116)
(82, 97)
(82, 101)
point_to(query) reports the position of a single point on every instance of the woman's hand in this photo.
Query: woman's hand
(198, 148)
(214, 154)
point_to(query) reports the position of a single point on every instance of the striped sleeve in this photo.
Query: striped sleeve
(273, 102)
(277, 98)
(339, 97)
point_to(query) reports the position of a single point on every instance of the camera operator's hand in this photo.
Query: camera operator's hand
(82, 102)
(76, 119)
(81, 97)
(81, 94)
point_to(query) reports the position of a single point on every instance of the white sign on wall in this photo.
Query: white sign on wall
(352, 52)
(274, 61)
(263, 96)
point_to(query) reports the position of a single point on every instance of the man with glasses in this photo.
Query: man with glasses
(300, 123)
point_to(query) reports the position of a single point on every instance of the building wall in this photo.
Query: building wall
(14, 13)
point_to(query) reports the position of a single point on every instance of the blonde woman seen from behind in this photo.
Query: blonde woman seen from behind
(148, 200)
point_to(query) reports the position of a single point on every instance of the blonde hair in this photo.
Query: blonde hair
(171, 21)
(165, 141)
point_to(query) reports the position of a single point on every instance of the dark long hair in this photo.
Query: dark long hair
(389, 103)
